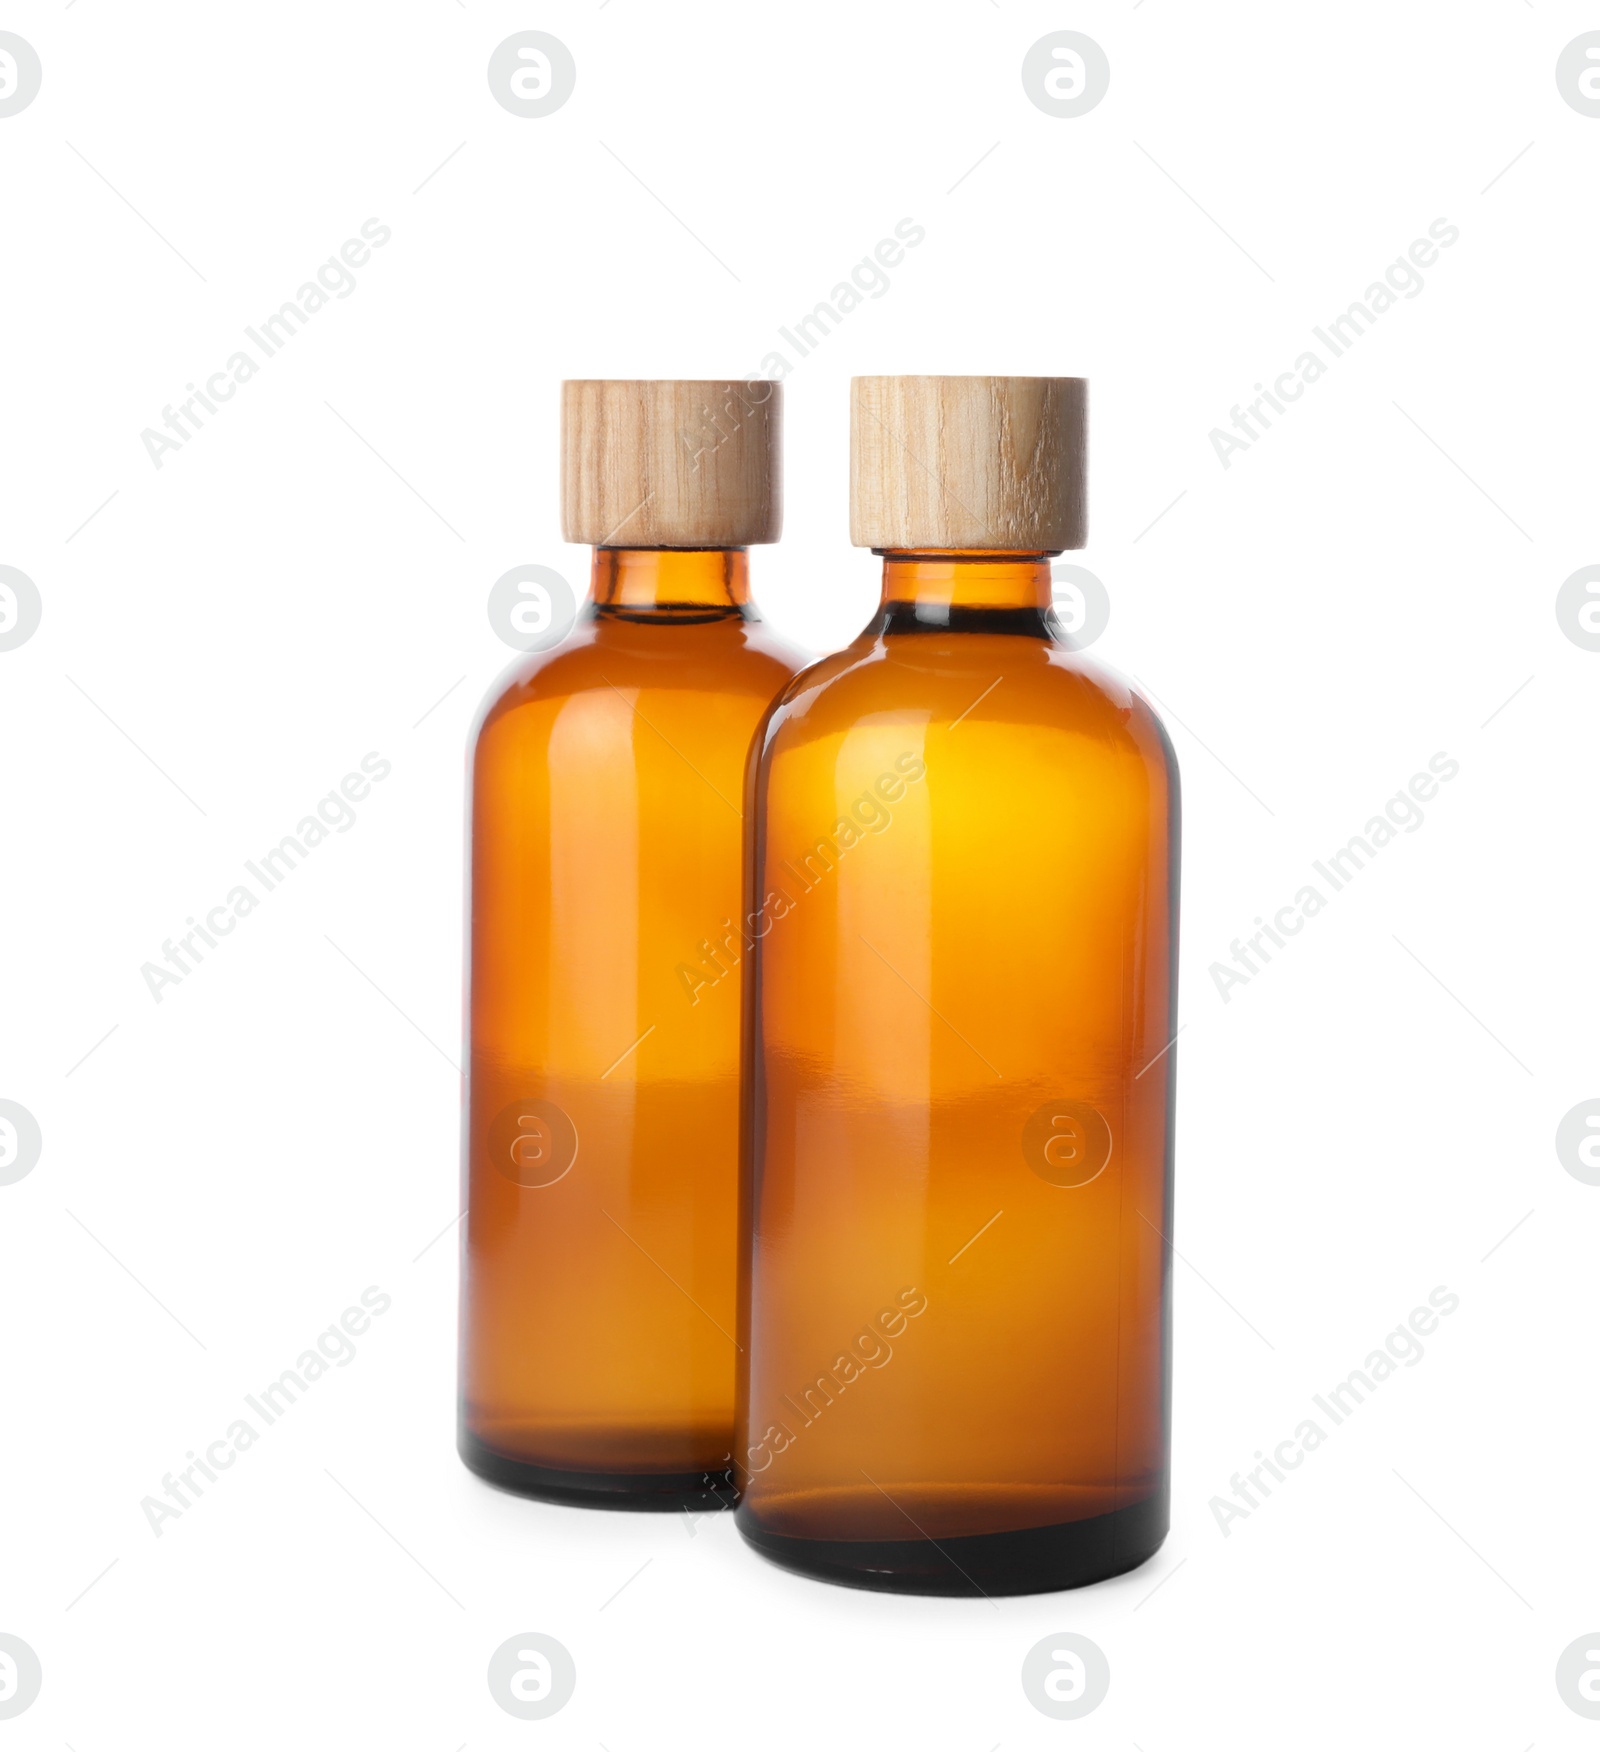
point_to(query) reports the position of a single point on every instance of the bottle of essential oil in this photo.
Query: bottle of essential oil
(599, 1266)
(959, 1014)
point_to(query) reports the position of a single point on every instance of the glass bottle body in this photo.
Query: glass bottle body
(957, 1200)
(601, 1113)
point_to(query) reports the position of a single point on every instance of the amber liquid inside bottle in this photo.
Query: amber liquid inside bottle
(957, 1202)
(598, 1353)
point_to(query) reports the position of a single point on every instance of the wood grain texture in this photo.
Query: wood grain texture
(671, 463)
(968, 462)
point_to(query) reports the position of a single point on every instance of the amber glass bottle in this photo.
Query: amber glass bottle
(601, 1130)
(957, 1202)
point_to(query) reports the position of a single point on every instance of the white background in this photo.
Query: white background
(1369, 584)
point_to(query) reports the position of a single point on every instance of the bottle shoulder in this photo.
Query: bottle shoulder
(604, 654)
(942, 680)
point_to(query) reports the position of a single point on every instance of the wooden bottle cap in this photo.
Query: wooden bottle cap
(649, 463)
(968, 462)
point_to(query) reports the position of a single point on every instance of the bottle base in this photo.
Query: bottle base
(658, 1492)
(1031, 1560)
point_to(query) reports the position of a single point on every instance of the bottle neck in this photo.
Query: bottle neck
(966, 591)
(671, 583)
